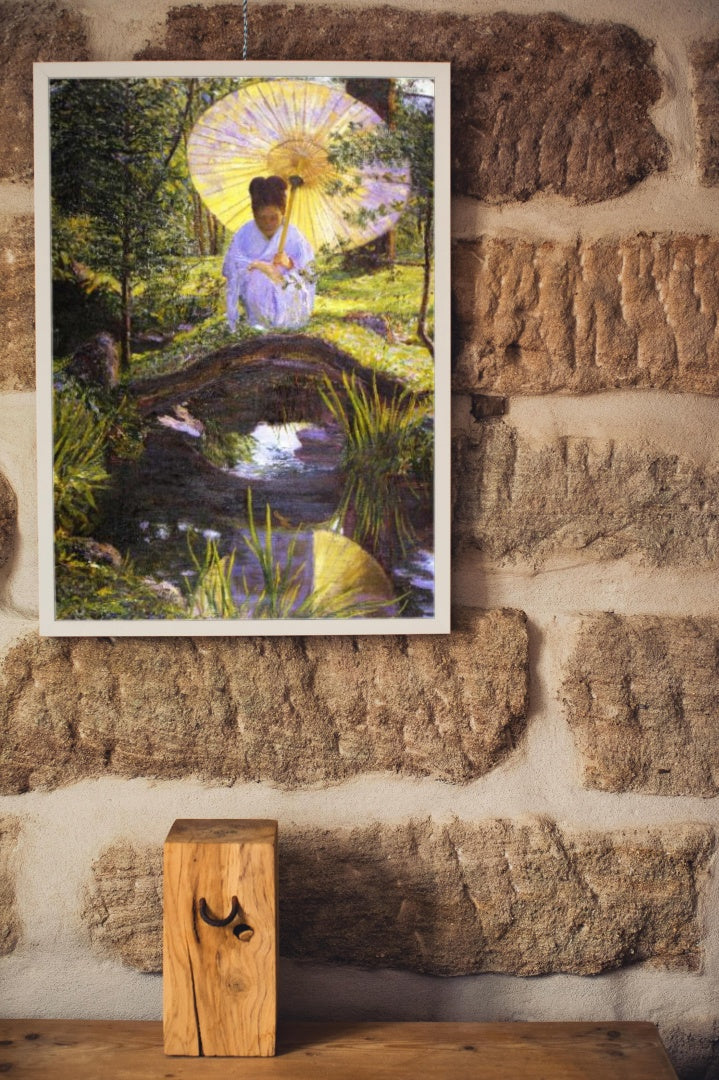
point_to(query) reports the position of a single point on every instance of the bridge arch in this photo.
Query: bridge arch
(274, 378)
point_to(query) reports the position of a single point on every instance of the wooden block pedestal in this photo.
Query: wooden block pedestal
(220, 938)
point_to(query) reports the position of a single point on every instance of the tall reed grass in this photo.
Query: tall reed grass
(387, 462)
(289, 590)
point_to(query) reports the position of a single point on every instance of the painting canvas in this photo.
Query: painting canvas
(243, 348)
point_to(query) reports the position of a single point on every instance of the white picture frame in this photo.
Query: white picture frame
(421, 613)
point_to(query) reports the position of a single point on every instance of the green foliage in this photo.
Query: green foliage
(79, 473)
(86, 590)
(408, 138)
(182, 291)
(88, 281)
(188, 346)
(388, 455)
(113, 145)
(225, 448)
(85, 300)
(87, 427)
(126, 432)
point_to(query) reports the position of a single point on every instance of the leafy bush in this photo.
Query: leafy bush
(79, 473)
(87, 426)
(225, 448)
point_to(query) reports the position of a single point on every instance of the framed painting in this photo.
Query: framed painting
(243, 348)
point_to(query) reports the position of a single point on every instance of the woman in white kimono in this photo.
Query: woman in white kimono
(276, 288)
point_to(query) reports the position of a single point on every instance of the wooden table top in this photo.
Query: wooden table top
(124, 1050)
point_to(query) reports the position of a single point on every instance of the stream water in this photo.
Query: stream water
(282, 450)
(172, 497)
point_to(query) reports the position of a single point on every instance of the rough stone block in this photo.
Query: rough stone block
(520, 897)
(705, 61)
(9, 918)
(290, 711)
(540, 102)
(123, 904)
(17, 303)
(535, 318)
(515, 500)
(642, 698)
(8, 519)
(39, 32)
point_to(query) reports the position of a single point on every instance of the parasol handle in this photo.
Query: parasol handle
(295, 182)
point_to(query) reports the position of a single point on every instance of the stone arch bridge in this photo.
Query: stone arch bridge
(272, 378)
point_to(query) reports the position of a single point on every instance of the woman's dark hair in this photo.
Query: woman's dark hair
(268, 191)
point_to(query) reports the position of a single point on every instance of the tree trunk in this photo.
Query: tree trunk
(212, 232)
(126, 320)
(125, 265)
(197, 216)
(391, 114)
(427, 283)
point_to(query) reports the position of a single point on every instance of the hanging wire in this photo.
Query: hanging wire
(244, 29)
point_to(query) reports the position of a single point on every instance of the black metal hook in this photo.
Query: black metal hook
(206, 917)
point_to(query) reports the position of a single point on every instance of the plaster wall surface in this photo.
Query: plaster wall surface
(54, 970)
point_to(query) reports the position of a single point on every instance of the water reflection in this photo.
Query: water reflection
(293, 467)
(416, 576)
(278, 450)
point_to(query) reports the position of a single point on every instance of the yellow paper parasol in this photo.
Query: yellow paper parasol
(285, 127)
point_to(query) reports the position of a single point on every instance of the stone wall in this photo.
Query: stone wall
(533, 795)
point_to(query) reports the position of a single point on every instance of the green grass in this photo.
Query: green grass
(412, 364)
(86, 590)
(179, 293)
(188, 346)
(392, 293)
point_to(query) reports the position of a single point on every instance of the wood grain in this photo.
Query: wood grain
(219, 987)
(116, 1050)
